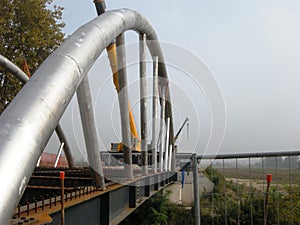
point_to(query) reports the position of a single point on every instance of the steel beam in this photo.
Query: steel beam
(109, 207)
(162, 179)
(156, 182)
(104, 209)
(132, 195)
(147, 187)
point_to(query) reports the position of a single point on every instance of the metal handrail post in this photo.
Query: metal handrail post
(196, 190)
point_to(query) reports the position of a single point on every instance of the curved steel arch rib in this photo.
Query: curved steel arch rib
(21, 76)
(24, 131)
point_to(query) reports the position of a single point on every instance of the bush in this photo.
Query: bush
(159, 210)
(243, 203)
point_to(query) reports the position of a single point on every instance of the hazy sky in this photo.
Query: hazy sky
(251, 48)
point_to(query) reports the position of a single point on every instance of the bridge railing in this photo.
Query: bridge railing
(254, 188)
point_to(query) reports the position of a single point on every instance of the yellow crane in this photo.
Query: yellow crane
(112, 56)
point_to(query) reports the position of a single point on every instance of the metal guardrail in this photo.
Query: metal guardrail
(38, 205)
(242, 193)
(111, 206)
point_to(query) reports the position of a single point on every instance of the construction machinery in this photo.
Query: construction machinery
(180, 129)
(115, 148)
(113, 60)
(135, 140)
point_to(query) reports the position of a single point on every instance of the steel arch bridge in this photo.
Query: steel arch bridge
(28, 122)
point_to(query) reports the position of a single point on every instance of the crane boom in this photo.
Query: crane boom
(180, 129)
(112, 56)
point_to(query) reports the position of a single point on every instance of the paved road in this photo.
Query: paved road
(185, 195)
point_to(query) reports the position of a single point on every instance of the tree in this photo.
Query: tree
(29, 31)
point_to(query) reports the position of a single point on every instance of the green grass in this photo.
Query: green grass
(282, 176)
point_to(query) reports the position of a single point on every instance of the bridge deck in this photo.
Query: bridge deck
(85, 202)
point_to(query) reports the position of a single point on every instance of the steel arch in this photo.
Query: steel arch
(24, 131)
(21, 76)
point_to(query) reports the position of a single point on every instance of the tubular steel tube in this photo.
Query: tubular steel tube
(123, 104)
(90, 132)
(251, 155)
(153, 47)
(21, 76)
(13, 69)
(58, 154)
(143, 103)
(170, 157)
(196, 190)
(162, 149)
(245, 155)
(112, 56)
(174, 153)
(25, 131)
(155, 115)
(67, 150)
(167, 145)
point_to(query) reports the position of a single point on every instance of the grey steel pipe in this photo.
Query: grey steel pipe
(21, 76)
(13, 69)
(174, 153)
(58, 154)
(155, 101)
(162, 149)
(250, 155)
(123, 105)
(196, 190)
(244, 155)
(90, 132)
(143, 103)
(101, 7)
(162, 72)
(170, 157)
(67, 150)
(167, 147)
(25, 131)
(122, 94)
